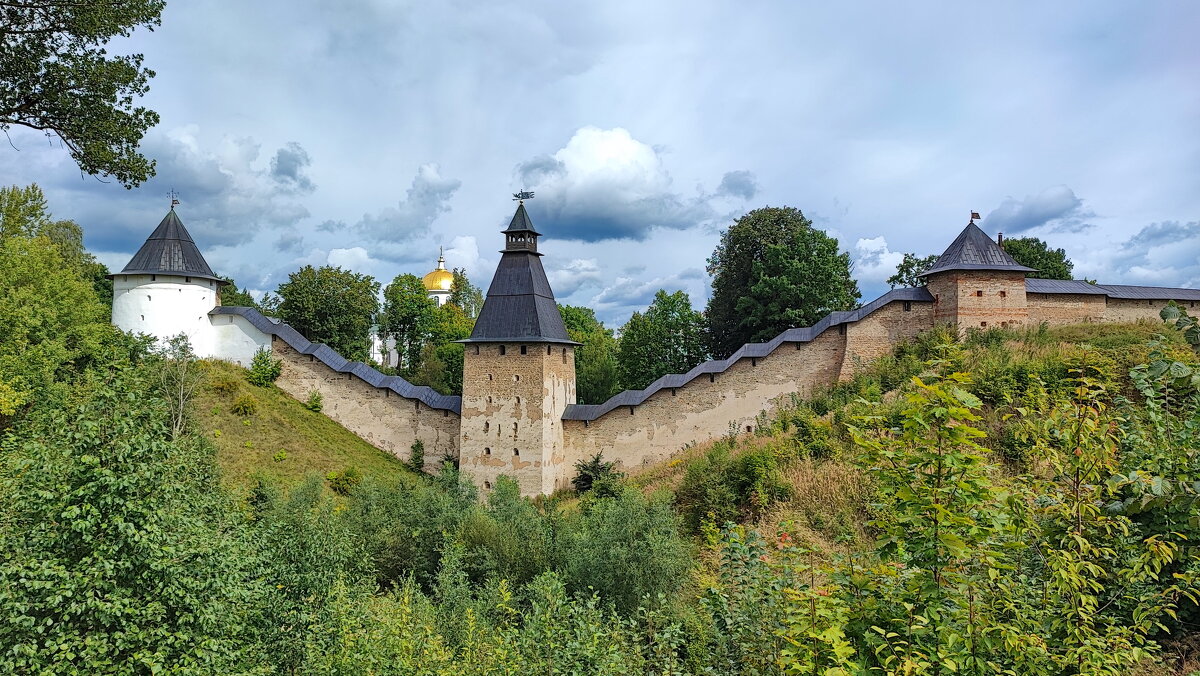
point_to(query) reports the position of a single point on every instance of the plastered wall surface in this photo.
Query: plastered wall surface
(1132, 310)
(512, 408)
(236, 340)
(384, 420)
(1064, 308)
(701, 410)
(164, 306)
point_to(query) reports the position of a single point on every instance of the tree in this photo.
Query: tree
(58, 77)
(596, 377)
(231, 295)
(908, 272)
(332, 306)
(1034, 253)
(668, 338)
(464, 294)
(407, 317)
(441, 365)
(773, 271)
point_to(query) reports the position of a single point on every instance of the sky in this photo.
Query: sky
(367, 133)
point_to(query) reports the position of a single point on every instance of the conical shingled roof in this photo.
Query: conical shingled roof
(520, 305)
(974, 250)
(170, 251)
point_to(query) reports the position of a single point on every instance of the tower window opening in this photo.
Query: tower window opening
(487, 485)
(476, 349)
(502, 350)
(516, 452)
(153, 278)
(983, 324)
(1003, 294)
(486, 426)
(147, 297)
(712, 378)
(143, 317)
(630, 410)
(674, 392)
(487, 451)
(565, 349)
(979, 293)
(908, 306)
(516, 379)
(514, 430)
(186, 280)
(489, 376)
(518, 400)
(524, 349)
(549, 350)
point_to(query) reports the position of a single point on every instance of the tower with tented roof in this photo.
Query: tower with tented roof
(518, 374)
(976, 284)
(167, 288)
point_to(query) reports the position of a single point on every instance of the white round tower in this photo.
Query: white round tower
(168, 289)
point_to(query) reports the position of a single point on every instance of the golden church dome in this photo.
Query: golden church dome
(440, 279)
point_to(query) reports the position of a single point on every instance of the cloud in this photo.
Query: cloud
(575, 274)
(627, 294)
(1160, 254)
(874, 262)
(739, 183)
(1056, 207)
(288, 166)
(354, 258)
(427, 198)
(605, 184)
(289, 242)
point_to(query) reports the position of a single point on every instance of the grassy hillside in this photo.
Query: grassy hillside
(281, 440)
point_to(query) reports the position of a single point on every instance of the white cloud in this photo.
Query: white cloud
(874, 262)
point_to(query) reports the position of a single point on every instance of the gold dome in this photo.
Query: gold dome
(440, 279)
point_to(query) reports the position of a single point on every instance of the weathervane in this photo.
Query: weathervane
(174, 198)
(522, 196)
(974, 215)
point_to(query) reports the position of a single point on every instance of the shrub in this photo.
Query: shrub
(343, 482)
(593, 471)
(264, 369)
(244, 405)
(416, 459)
(224, 385)
(314, 402)
(280, 456)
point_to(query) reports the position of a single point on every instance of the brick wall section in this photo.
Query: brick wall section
(878, 333)
(704, 410)
(1064, 308)
(512, 410)
(383, 419)
(1132, 310)
(979, 299)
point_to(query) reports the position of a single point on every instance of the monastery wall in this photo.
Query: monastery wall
(382, 418)
(706, 407)
(979, 298)
(1065, 308)
(1134, 309)
(878, 333)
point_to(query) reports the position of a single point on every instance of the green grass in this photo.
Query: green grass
(281, 441)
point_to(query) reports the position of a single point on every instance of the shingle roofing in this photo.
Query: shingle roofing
(1121, 291)
(520, 305)
(170, 251)
(327, 356)
(807, 334)
(974, 250)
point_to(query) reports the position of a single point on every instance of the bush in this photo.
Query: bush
(224, 385)
(343, 482)
(314, 402)
(244, 405)
(416, 459)
(264, 369)
(593, 471)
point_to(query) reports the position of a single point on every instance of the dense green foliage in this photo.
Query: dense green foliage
(332, 306)
(59, 76)
(1034, 253)
(770, 272)
(464, 294)
(264, 369)
(407, 318)
(910, 269)
(667, 338)
(596, 376)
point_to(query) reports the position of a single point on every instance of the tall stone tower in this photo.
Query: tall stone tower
(167, 288)
(518, 374)
(976, 284)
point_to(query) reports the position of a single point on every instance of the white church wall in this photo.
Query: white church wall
(236, 340)
(164, 306)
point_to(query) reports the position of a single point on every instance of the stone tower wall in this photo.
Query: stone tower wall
(512, 408)
(979, 299)
(389, 422)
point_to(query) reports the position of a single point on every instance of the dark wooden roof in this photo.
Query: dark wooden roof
(974, 250)
(520, 305)
(170, 251)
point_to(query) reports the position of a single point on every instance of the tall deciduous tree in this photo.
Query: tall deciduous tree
(773, 271)
(596, 376)
(1034, 253)
(407, 318)
(441, 365)
(464, 294)
(908, 272)
(57, 75)
(667, 338)
(332, 306)
(233, 296)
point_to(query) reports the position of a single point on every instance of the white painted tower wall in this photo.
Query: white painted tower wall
(164, 306)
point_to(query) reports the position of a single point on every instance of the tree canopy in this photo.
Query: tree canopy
(596, 376)
(464, 294)
(773, 271)
(908, 271)
(407, 317)
(667, 338)
(58, 76)
(1034, 253)
(332, 306)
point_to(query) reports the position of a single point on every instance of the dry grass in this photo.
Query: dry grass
(1179, 658)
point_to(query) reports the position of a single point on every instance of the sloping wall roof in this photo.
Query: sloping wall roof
(169, 251)
(327, 356)
(1121, 291)
(749, 350)
(974, 250)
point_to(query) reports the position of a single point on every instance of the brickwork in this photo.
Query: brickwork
(705, 409)
(878, 333)
(979, 298)
(1064, 308)
(512, 410)
(386, 421)
(1132, 310)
